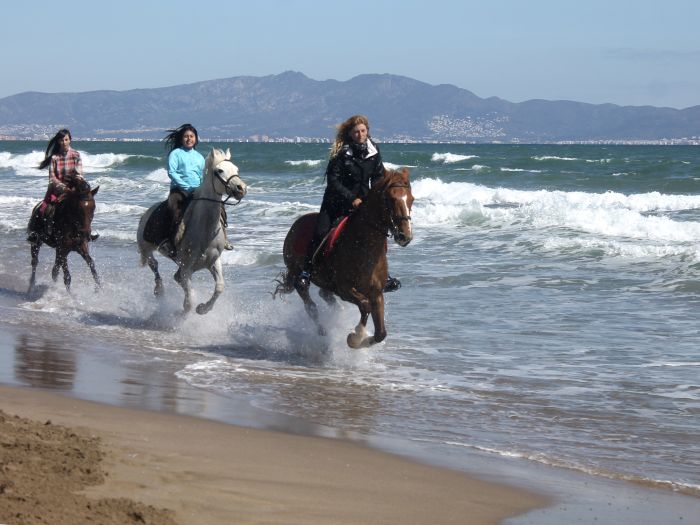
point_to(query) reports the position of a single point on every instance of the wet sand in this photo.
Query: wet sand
(161, 467)
(168, 451)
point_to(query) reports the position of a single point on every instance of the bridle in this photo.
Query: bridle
(223, 181)
(394, 221)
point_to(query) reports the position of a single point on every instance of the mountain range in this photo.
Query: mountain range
(291, 106)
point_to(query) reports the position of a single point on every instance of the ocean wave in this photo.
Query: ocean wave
(310, 163)
(159, 175)
(520, 170)
(451, 158)
(26, 164)
(607, 214)
(545, 459)
(96, 162)
(394, 167)
(552, 157)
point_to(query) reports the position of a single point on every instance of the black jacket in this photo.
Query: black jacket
(350, 174)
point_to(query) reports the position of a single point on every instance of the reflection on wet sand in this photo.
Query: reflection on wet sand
(40, 362)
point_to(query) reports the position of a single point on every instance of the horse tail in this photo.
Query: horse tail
(285, 284)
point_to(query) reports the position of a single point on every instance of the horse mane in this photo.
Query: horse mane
(391, 177)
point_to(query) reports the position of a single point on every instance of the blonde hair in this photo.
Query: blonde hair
(343, 134)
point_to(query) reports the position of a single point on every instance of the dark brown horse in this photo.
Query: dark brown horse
(356, 268)
(70, 231)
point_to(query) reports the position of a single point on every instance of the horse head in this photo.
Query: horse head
(77, 208)
(224, 175)
(396, 187)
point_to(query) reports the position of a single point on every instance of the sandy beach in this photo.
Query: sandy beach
(115, 465)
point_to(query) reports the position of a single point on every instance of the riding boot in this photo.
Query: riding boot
(392, 284)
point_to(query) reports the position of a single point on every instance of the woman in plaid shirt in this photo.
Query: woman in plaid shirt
(65, 166)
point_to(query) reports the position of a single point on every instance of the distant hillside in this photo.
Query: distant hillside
(292, 105)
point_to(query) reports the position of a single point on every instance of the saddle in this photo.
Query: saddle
(307, 226)
(158, 226)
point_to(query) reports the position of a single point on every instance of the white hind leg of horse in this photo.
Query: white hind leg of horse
(184, 281)
(359, 338)
(218, 273)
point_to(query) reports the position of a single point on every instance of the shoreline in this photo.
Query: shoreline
(103, 370)
(209, 472)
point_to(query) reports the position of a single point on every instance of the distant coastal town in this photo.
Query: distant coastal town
(42, 136)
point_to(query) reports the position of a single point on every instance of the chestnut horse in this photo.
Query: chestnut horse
(356, 268)
(72, 223)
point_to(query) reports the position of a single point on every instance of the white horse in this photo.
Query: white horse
(203, 240)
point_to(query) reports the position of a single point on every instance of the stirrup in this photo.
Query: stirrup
(303, 280)
(392, 284)
(94, 236)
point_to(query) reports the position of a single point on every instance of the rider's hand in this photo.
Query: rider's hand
(356, 203)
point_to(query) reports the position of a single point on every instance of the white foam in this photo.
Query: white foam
(451, 158)
(95, 162)
(159, 175)
(606, 216)
(26, 164)
(306, 162)
(553, 157)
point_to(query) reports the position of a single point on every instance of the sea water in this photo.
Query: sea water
(548, 311)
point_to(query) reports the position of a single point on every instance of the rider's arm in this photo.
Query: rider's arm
(378, 169)
(78, 165)
(174, 170)
(54, 182)
(333, 174)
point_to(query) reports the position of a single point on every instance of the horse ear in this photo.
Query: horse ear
(228, 154)
(95, 191)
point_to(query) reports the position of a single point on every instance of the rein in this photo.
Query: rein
(393, 226)
(392, 220)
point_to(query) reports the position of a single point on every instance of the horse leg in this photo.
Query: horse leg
(183, 279)
(61, 262)
(310, 307)
(359, 338)
(85, 254)
(328, 296)
(375, 306)
(153, 265)
(56, 265)
(218, 273)
(378, 319)
(35, 262)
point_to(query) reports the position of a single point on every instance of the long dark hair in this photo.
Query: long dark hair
(54, 147)
(173, 139)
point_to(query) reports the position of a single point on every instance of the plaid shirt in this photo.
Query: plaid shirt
(62, 170)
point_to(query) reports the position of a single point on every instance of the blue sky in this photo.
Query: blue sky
(636, 52)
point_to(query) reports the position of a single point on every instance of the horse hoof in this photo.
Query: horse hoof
(202, 309)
